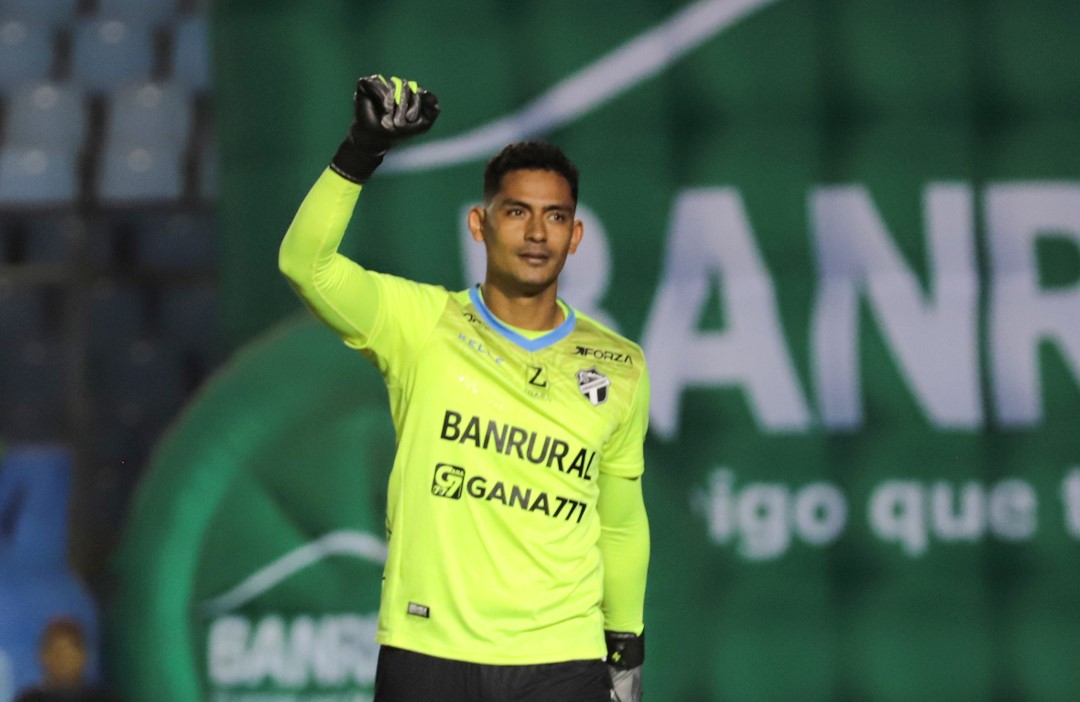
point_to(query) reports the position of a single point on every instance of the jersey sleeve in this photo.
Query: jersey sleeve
(624, 549)
(385, 316)
(624, 454)
(406, 315)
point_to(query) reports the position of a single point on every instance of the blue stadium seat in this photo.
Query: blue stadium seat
(22, 316)
(46, 115)
(32, 176)
(207, 171)
(180, 240)
(109, 53)
(9, 353)
(140, 173)
(116, 316)
(146, 137)
(31, 418)
(50, 238)
(146, 11)
(149, 113)
(136, 391)
(39, 11)
(26, 52)
(37, 369)
(117, 446)
(191, 54)
(33, 377)
(11, 235)
(99, 249)
(189, 319)
(142, 372)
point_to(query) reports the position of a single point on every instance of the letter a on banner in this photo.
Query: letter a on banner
(711, 242)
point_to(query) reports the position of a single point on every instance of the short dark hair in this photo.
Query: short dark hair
(527, 156)
(63, 626)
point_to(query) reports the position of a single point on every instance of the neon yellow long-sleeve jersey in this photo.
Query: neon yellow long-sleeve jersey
(517, 530)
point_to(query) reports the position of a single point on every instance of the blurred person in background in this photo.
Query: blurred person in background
(63, 657)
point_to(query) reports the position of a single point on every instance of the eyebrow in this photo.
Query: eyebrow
(546, 208)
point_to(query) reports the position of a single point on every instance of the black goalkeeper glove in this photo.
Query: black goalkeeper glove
(626, 653)
(384, 113)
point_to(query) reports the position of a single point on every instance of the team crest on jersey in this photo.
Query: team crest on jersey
(593, 385)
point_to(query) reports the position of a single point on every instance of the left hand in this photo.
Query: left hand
(625, 684)
(626, 654)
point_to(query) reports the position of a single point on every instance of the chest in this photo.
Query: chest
(554, 390)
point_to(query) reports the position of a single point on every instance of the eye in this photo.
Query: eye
(558, 217)
(515, 212)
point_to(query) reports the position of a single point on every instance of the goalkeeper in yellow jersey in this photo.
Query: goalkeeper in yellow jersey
(518, 538)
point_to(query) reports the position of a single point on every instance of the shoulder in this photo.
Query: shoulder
(599, 342)
(403, 294)
(396, 281)
(460, 297)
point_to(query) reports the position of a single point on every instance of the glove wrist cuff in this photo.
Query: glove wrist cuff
(625, 650)
(353, 163)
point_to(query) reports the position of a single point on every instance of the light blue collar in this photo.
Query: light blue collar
(541, 342)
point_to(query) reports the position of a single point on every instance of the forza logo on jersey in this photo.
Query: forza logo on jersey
(450, 482)
(604, 355)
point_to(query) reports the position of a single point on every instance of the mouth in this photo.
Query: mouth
(535, 258)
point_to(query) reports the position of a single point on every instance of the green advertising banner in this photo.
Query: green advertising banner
(253, 564)
(847, 235)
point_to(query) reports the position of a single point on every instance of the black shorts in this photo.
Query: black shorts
(407, 676)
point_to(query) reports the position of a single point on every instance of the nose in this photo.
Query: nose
(536, 230)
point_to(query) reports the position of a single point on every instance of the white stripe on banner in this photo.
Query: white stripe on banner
(635, 61)
(336, 543)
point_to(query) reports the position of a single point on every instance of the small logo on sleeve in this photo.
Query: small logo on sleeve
(593, 385)
(419, 610)
(448, 481)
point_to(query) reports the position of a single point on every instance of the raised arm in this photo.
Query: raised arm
(340, 292)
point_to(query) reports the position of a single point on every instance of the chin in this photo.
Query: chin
(534, 286)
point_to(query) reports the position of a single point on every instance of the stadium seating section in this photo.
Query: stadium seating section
(107, 258)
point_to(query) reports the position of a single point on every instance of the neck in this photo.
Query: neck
(539, 312)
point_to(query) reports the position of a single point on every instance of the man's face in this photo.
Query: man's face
(63, 659)
(528, 229)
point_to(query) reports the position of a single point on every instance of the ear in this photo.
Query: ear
(477, 217)
(575, 236)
